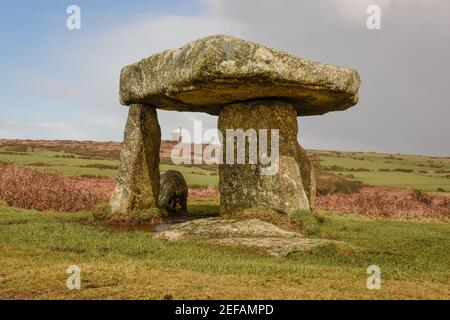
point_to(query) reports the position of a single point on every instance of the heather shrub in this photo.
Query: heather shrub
(101, 166)
(18, 148)
(30, 189)
(39, 164)
(387, 203)
(332, 184)
(102, 212)
(421, 196)
(405, 170)
(197, 186)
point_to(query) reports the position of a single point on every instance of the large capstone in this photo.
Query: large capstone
(138, 178)
(173, 192)
(289, 186)
(209, 73)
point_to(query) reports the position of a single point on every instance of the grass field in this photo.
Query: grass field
(69, 164)
(424, 173)
(36, 249)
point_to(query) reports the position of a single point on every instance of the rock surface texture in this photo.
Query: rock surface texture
(173, 192)
(138, 178)
(243, 185)
(252, 233)
(211, 72)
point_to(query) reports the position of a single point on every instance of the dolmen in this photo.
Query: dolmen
(252, 89)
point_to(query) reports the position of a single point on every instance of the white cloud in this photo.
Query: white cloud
(43, 130)
(354, 11)
(89, 67)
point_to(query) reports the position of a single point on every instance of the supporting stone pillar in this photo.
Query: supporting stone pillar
(292, 187)
(138, 178)
(308, 176)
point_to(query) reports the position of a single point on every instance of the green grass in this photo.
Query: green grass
(66, 166)
(194, 175)
(76, 166)
(428, 181)
(375, 161)
(51, 158)
(405, 180)
(36, 248)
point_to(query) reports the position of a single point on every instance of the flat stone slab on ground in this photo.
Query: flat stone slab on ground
(279, 247)
(252, 233)
(214, 71)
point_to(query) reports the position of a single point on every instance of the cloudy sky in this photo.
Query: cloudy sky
(62, 84)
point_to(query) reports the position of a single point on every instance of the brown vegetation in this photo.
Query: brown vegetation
(387, 203)
(84, 149)
(101, 166)
(203, 192)
(335, 184)
(30, 189)
(27, 188)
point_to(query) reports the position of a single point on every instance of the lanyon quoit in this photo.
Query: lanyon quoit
(249, 86)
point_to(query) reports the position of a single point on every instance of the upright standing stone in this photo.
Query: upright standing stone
(308, 176)
(138, 178)
(243, 185)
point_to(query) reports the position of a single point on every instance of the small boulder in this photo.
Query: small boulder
(173, 192)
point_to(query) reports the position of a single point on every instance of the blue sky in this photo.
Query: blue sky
(62, 84)
(33, 34)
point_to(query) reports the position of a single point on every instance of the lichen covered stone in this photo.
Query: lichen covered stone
(224, 228)
(211, 72)
(138, 177)
(308, 176)
(292, 187)
(173, 192)
(252, 233)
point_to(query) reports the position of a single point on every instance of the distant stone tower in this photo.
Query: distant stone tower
(176, 135)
